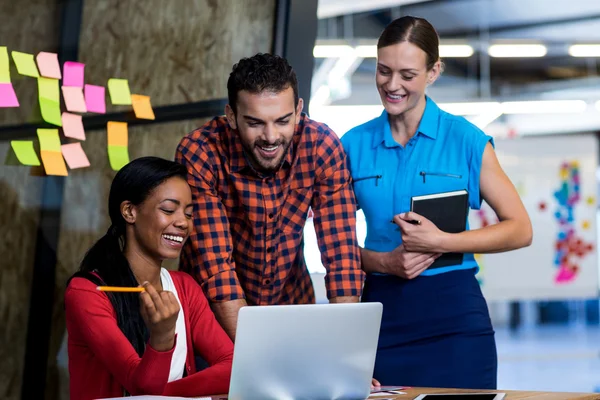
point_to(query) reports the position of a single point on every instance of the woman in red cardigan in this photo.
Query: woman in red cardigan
(143, 343)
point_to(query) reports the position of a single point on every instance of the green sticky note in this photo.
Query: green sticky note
(25, 64)
(49, 140)
(4, 66)
(119, 91)
(50, 111)
(25, 152)
(118, 157)
(48, 89)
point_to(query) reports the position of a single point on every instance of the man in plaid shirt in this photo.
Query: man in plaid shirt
(254, 173)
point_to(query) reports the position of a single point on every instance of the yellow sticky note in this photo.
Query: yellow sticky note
(119, 91)
(117, 133)
(49, 140)
(25, 152)
(4, 66)
(142, 106)
(50, 111)
(25, 64)
(54, 163)
(48, 89)
(118, 157)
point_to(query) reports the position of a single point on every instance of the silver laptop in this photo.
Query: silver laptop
(317, 351)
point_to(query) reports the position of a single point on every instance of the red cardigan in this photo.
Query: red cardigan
(102, 362)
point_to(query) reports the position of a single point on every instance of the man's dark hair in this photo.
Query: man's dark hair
(259, 73)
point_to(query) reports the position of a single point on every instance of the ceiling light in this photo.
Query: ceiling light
(517, 50)
(332, 51)
(598, 105)
(475, 108)
(455, 50)
(544, 107)
(585, 50)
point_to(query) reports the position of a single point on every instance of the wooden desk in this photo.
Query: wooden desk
(510, 394)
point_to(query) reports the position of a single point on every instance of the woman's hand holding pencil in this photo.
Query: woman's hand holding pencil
(159, 311)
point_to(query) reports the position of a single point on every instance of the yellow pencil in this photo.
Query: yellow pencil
(120, 289)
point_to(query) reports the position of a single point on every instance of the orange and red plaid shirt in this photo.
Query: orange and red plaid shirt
(247, 241)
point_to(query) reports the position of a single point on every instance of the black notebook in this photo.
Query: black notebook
(448, 211)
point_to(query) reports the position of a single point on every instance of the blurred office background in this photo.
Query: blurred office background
(524, 71)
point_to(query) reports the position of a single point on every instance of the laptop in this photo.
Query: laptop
(313, 351)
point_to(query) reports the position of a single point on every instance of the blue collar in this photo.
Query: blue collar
(428, 126)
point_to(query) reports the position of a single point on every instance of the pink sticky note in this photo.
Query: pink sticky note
(74, 100)
(8, 97)
(74, 155)
(94, 99)
(73, 126)
(73, 74)
(48, 65)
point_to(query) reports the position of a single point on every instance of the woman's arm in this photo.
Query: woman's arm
(397, 262)
(211, 342)
(512, 232)
(90, 318)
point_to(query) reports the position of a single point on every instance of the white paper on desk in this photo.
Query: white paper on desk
(385, 394)
(148, 397)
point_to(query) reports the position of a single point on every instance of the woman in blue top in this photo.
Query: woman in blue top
(436, 330)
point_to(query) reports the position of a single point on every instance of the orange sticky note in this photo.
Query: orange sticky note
(74, 100)
(117, 133)
(142, 106)
(73, 126)
(75, 155)
(54, 163)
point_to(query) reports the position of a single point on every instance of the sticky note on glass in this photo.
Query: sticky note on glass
(142, 106)
(119, 91)
(73, 126)
(74, 155)
(48, 89)
(50, 110)
(25, 152)
(94, 99)
(25, 64)
(8, 97)
(48, 65)
(49, 139)
(118, 157)
(4, 66)
(74, 100)
(73, 74)
(117, 133)
(54, 163)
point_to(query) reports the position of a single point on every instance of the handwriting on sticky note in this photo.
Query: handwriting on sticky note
(118, 157)
(73, 126)
(75, 156)
(117, 133)
(73, 74)
(94, 99)
(25, 64)
(50, 111)
(8, 97)
(25, 152)
(49, 139)
(54, 163)
(119, 91)
(48, 65)
(142, 106)
(48, 89)
(74, 100)
(4, 65)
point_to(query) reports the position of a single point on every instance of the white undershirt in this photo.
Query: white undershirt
(180, 353)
